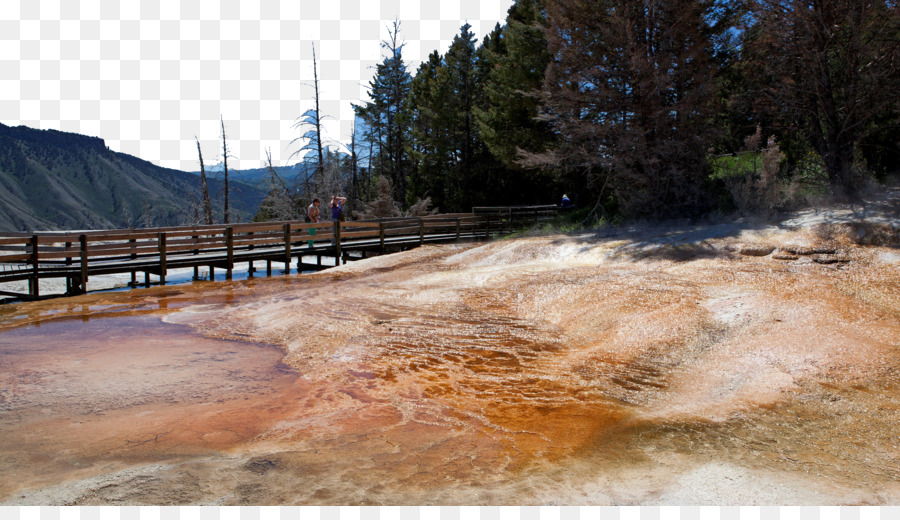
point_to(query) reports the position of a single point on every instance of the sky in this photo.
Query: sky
(148, 76)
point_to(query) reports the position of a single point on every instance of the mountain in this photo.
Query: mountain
(53, 180)
(259, 177)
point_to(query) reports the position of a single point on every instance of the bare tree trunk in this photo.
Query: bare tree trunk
(207, 207)
(321, 168)
(369, 173)
(226, 218)
(355, 194)
(293, 203)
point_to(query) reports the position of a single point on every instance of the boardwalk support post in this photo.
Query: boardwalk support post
(381, 237)
(196, 239)
(250, 267)
(337, 242)
(162, 258)
(287, 248)
(229, 252)
(33, 283)
(82, 239)
(133, 244)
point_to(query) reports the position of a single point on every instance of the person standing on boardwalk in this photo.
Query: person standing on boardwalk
(337, 209)
(312, 214)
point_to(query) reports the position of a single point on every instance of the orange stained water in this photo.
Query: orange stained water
(532, 371)
(82, 397)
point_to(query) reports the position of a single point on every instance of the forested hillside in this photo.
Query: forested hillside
(57, 180)
(646, 109)
(634, 109)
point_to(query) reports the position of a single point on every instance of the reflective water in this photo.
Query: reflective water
(536, 371)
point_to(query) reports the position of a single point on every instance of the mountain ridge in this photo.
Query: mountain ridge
(61, 180)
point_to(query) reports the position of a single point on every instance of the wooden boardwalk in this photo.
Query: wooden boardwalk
(76, 256)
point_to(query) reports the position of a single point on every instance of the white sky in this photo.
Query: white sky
(147, 76)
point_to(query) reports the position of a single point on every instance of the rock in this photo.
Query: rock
(792, 252)
(797, 250)
(816, 250)
(830, 259)
(261, 465)
(757, 250)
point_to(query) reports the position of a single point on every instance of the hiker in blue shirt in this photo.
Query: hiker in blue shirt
(337, 209)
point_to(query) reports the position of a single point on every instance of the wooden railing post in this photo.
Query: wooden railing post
(162, 258)
(287, 247)
(82, 239)
(381, 236)
(133, 243)
(33, 282)
(229, 252)
(457, 229)
(487, 233)
(337, 242)
(68, 248)
(196, 239)
(421, 231)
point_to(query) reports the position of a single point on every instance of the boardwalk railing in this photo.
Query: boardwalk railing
(513, 217)
(76, 256)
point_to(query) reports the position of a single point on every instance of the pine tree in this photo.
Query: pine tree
(426, 144)
(631, 92)
(456, 83)
(831, 66)
(384, 114)
(508, 122)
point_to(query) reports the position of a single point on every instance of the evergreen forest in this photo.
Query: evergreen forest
(635, 109)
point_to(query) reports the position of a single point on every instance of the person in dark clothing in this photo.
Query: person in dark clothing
(337, 208)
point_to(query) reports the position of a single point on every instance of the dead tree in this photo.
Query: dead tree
(226, 217)
(354, 170)
(207, 206)
(312, 119)
(280, 203)
(321, 167)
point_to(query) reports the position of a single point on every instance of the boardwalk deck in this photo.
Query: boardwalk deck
(76, 256)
